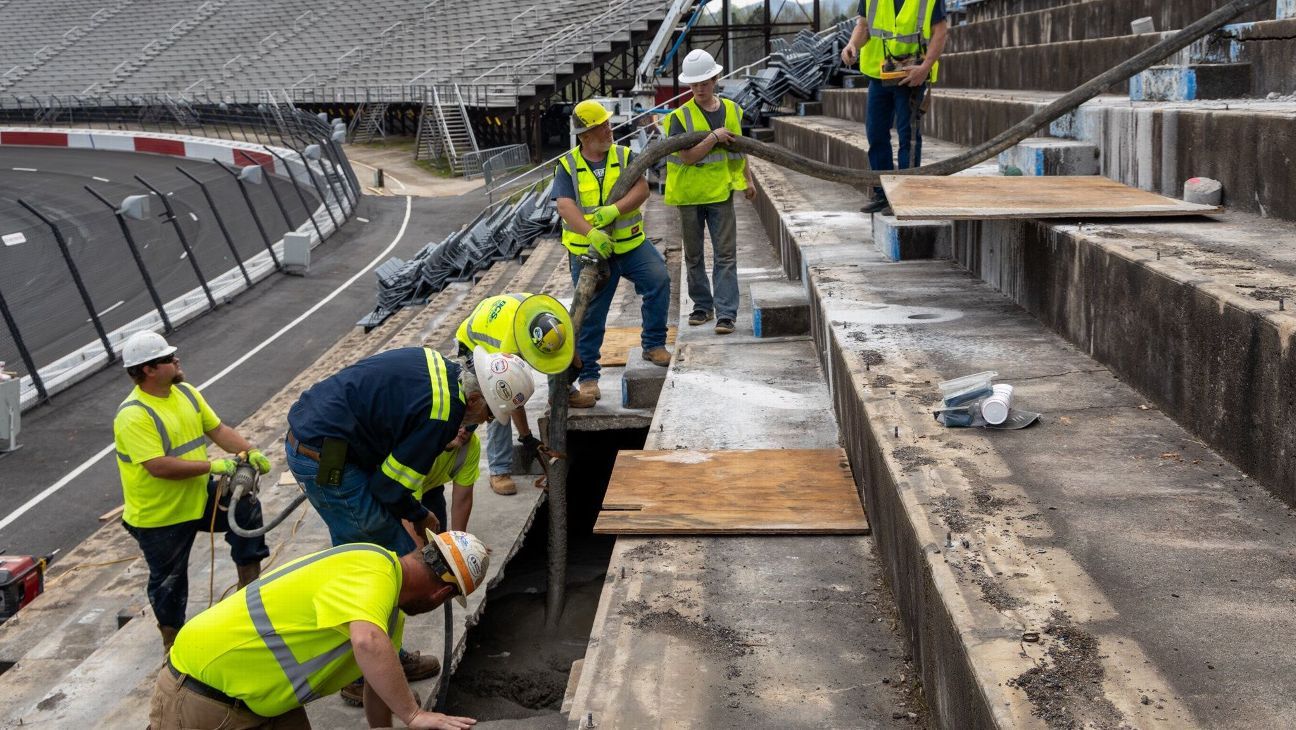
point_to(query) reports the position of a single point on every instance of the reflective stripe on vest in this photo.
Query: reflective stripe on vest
(915, 37)
(481, 338)
(167, 448)
(461, 458)
(299, 673)
(714, 177)
(627, 230)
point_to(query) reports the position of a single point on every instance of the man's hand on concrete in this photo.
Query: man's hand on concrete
(917, 76)
(223, 467)
(849, 55)
(425, 720)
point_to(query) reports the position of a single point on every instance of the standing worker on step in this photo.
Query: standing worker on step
(614, 230)
(536, 328)
(167, 481)
(905, 41)
(362, 442)
(701, 181)
(308, 628)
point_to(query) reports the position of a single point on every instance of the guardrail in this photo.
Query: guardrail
(492, 162)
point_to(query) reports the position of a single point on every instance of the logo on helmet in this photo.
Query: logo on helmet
(518, 399)
(504, 392)
(500, 366)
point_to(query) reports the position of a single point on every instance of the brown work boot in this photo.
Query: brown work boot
(417, 666)
(658, 356)
(503, 484)
(590, 387)
(248, 573)
(353, 694)
(578, 399)
(168, 637)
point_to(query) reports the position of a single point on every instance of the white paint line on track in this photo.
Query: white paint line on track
(101, 179)
(25, 169)
(118, 304)
(362, 220)
(386, 175)
(194, 216)
(105, 451)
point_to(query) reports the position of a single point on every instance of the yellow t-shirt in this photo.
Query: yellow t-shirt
(466, 476)
(307, 605)
(182, 419)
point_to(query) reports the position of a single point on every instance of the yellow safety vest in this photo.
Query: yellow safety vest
(712, 178)
(897, 36)
(627, 230)
(147, 427)
(491, 324)
(282, 641)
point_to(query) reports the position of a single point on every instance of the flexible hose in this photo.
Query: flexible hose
(244, 486)
(447, 651)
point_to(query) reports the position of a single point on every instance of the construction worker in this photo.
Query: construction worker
(457, 465)
(611, 230)
(701, 181)
(537, 328)
(363, 441)
(309, 627)
(168, 482)
(902, 36)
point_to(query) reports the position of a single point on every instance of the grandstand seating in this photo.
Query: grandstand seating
(375, 49)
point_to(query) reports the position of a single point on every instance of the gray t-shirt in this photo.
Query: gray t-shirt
(715, 120)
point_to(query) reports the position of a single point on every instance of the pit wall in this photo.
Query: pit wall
(1219, 363)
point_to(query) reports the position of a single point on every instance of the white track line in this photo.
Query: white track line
(83, 466)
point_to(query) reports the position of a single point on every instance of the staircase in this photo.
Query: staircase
(445, 130)
(368, 122)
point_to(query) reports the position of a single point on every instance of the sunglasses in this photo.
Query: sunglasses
(167, 360)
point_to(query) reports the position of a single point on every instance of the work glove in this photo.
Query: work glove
(223, 467)
(600, 243)
(530, 447)
(604, 215)
(259, 460)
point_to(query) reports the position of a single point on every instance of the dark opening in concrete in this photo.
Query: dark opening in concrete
(514, 668)
(6, 666)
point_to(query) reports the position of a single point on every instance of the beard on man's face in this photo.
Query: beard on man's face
(179, 378)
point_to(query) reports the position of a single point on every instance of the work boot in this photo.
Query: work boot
(658, 356)
(248, 573)
(699, 316)
(578, 399)
(353, 694)
(590, 387)
(502, 484)
(724, 326)
(878, 204)
(417, 666)
(168, 637)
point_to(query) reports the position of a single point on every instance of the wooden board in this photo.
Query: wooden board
(618, 341)
(732, 492)
(920, 197)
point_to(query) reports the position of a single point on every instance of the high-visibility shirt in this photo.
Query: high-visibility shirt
(714, 177)
(491, 324)
(396, 411)
(285, 639)
(461, 466)
(626, 230)
(147, 427)
(897, 34)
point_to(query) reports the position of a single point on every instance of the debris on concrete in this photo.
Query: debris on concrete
(1062, 690)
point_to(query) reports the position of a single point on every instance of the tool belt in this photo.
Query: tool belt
(207, 691)
(896, 68)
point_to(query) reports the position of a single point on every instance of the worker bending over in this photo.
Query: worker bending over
(457, 465)
(168, 483)
(701, 181)
(905, 39)
(614, 230)
(536, 328)
(308, 628)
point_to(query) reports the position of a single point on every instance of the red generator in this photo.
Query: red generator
(22, 578)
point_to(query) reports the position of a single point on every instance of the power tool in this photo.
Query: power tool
(22, 578)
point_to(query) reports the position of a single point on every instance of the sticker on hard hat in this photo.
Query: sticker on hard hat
(518, 399)
(500, 366)
(474, 564)
(504, 391)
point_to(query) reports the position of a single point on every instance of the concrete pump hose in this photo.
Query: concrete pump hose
(240, 488)
(1018, 132)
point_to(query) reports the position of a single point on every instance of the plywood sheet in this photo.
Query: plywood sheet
(918, 197)
(732, 492)
(618, 341)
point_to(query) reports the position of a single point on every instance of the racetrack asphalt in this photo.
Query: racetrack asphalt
(34, 277)
(58, 437)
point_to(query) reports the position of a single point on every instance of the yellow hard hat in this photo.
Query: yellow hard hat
(587, 115)
(542, 329)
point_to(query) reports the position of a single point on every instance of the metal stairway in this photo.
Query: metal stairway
(368, 122)
(454, 134)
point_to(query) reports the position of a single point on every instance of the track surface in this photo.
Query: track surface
(34, 277)
(57, 438)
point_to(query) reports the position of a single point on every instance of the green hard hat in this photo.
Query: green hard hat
(543, 331)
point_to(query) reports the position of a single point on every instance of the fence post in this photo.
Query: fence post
(310, 214)
(344, 179)
(323, 198)
(184, 241)
(23, 352)
(139, 260)
(237, 174)
(220, 223)
(76, 277)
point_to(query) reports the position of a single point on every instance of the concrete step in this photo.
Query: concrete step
(779, 309)
(1040, 156)
(1150, 145)
(641, 381)
(1101, 568)
(1191, 82)
(908, 240)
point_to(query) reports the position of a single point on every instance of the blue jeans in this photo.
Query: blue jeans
(166, 551)
(644, 266)
(499, 447)
(350, 510)
(890, 106)
(719, 218)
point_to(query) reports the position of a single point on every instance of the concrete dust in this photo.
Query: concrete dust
(870, 357)
(912, 457)
(650, 549)
(1067, 691)
(711, 638)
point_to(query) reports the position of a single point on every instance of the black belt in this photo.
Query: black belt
(301, 448)
(197, 687)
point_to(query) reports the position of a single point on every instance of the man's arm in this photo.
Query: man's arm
(919, 75)
(173, 467)
(850, 54)
(573, 217)
(632, 200)
(461, 508)
(385, 690)
(229, 439)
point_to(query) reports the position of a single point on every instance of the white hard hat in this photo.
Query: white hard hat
(698, 66)
(466, 558)
(505, 380)
(142, 347)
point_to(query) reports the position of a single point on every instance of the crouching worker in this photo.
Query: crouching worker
(305, 630)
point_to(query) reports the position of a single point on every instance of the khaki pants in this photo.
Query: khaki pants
(176, 707)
